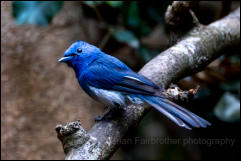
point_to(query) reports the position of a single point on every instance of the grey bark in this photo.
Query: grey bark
(192, 54)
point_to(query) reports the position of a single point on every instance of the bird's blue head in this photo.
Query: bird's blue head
(80, 53)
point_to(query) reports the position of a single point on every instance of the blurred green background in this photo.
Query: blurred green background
(38, 93)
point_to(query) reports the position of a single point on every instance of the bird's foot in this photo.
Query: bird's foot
(104, 115)
(99, 118)
(109, 114)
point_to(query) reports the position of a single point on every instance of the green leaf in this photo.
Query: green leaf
(125, 36)
(110, 3)
(131, 14)
(233, 86)
(114, 3)
(144, 28)
(228, 108)
(93, 3)
(35, 12)
(133, 19)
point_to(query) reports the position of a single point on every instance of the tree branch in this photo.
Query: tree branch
(192, 54)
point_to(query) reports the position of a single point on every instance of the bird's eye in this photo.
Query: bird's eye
(79, 50)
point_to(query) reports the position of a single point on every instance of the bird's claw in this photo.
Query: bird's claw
(99, 118)
(103, 116)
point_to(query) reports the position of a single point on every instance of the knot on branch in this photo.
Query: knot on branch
(179, 13)
(175, 93)
(70, 134)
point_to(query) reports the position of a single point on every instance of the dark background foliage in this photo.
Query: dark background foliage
(38, 93)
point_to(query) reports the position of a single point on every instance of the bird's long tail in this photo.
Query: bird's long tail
(176, 113)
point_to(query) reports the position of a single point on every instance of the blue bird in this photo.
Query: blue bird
(110, 81)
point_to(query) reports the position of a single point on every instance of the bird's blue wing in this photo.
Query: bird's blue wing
(112, 74)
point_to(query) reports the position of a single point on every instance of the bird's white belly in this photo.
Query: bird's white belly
(108, 97)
